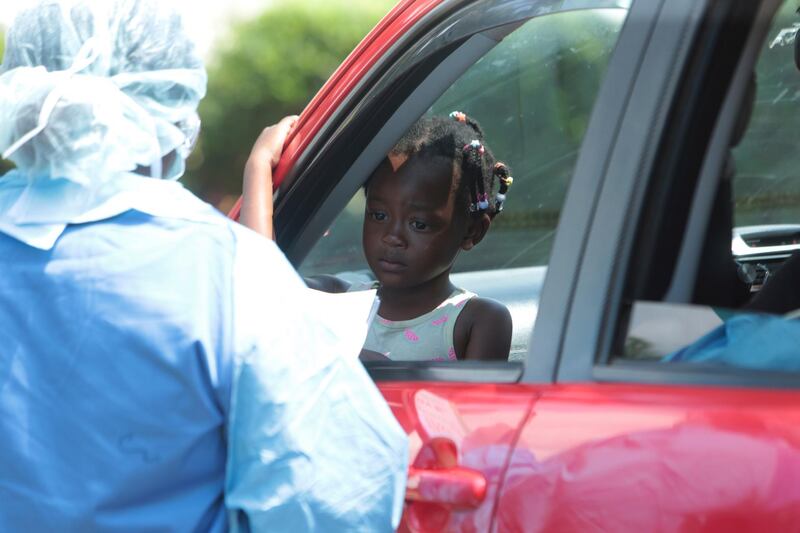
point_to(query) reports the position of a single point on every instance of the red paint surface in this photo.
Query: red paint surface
(646, 458)
(611, 457)
(342, 82)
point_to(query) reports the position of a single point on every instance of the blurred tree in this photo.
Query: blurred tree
(5, 166)
(265, 68)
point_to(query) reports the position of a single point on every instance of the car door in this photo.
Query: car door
(535, 74)
(630, 439)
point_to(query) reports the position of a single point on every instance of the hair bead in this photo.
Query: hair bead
(459, 116)
(475, 144)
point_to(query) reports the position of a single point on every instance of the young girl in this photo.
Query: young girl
(432, 197)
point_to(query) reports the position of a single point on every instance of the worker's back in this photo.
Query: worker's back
(115, 376)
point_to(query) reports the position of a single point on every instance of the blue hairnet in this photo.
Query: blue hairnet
(90, 89)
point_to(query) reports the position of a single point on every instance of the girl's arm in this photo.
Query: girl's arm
(256, 211)
(483, 329)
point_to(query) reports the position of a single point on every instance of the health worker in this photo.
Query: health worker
(160, 367)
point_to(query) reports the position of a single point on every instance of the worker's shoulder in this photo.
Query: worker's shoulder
(190, 221)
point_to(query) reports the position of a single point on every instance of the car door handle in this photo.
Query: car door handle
(456, 487)
(436, 477)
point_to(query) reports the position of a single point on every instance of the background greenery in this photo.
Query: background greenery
(5, 166)
(263, 69)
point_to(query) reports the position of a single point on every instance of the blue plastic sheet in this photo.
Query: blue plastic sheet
(755, 341)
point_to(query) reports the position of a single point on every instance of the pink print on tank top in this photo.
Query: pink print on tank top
(451, 354)
(410, 335)
(440, 321)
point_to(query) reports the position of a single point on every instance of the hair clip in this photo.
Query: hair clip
(475, 144)
(459, 116)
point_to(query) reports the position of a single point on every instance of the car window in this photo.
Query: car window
(766, 185)
(532, 94)
(750, 319)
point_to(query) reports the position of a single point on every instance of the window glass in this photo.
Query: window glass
(758, 328)
(532, 94)
(766, 184)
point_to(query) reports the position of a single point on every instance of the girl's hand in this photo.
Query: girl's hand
(256, 211)
(269, 145)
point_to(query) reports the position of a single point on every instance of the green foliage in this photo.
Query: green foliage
(5, 166)
(266, 68)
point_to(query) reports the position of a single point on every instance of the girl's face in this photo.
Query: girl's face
(414, 227)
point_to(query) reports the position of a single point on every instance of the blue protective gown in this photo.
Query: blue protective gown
(753, 341)
(162, 373)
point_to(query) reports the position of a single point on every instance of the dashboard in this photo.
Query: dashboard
(760, 251)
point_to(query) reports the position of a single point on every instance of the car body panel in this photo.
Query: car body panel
(630, 458)
(608, 457)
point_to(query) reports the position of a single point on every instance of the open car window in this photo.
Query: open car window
(533, 94)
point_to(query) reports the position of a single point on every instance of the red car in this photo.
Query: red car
(640, 133)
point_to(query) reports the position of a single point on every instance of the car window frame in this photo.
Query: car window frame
(591, 359)
(546, 346)
(295, 235)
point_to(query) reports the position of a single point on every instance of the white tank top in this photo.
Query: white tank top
(428, 337)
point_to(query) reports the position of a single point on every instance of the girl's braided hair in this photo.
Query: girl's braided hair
(460, 139)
